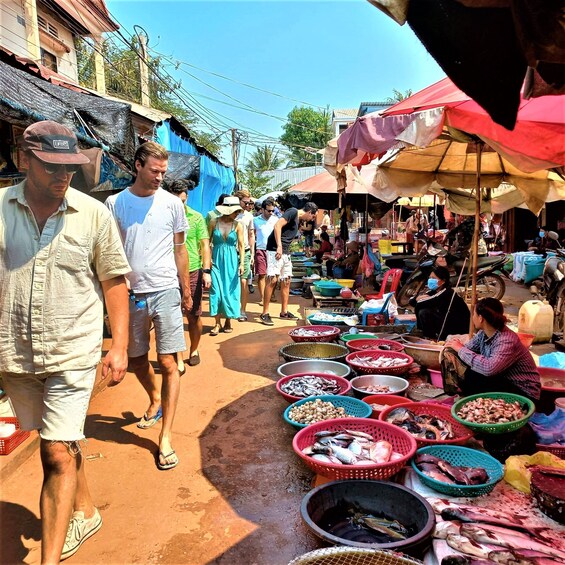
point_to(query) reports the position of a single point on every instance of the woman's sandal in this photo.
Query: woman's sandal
(215, 330)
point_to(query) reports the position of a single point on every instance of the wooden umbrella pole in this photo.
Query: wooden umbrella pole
(476, 234)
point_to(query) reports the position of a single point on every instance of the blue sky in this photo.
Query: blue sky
(327, 54)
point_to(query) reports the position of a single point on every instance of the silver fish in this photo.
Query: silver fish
(344, 455)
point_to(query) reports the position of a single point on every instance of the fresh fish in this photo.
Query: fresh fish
(321, 457)
(443, 551)
(344, 455)
(359, 434)
(468, 546)
(427, 458)
(380, 451)
(453, 472)
(355, 447)
(471, 514)
(377, 526)
(525, 556)
(433, 471)
(504, 537)
(443, 529)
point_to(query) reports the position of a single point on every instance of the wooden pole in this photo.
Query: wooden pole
(475, 250)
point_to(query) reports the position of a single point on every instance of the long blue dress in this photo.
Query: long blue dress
(225, 289)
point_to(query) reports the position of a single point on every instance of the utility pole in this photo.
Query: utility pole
(234, 151)
(144, 70)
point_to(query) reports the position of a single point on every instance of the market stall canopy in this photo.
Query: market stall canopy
(447, 164)
(536, 143)
(488, 47)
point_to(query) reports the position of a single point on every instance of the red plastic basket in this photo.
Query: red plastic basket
(8, 444)
(319, 338)
(345, 385)
(556, 450)
(390, 399)
(362, 370)
(401, 441)
(373, 343)
(462, 433)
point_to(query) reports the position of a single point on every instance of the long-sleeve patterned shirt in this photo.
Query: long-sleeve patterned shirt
(503, 355)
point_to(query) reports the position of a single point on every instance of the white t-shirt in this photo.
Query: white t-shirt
(246, 220)
(263, 229)
(147, 226)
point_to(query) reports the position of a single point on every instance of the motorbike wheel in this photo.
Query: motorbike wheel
(491, 286)
(409, 291)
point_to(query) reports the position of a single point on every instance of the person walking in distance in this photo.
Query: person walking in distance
(263, 225)
(278, 256)
(60, 256)
(153, 224)
(245, 218)
(197, 243)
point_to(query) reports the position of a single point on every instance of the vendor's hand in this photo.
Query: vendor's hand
(240, 270)
(455, 344)
(207, 280)
(279, 253)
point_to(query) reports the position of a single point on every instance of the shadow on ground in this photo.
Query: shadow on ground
(26, 525)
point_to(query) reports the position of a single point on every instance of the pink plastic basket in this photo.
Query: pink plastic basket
(316, 338)
(461, 432)
(360, 369)
(345, 385)
(364, 344)
(401, 441)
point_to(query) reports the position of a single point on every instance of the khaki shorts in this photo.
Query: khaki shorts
(281, 268)
(53, 403)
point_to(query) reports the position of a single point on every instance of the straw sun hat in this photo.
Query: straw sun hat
(229, 205)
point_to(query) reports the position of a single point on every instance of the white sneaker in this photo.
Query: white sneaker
(80, 529)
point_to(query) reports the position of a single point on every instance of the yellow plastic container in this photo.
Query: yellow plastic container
(385, 247)
(536, 318)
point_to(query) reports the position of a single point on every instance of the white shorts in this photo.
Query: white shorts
(54, 403)
(281, 268)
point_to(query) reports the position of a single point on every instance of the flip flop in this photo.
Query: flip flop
(228, 330)
(194, 360)
(167, 466)
(215, 331)
(147, 422)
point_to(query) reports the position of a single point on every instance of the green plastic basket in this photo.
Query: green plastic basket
(465, 457)
(527, 405)
(354, 408)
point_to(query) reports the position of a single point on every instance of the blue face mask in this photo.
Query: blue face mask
(433, 284)
(541, 233)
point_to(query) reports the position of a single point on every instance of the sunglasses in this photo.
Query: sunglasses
(247, 202)
(51, 168)
(269, 211)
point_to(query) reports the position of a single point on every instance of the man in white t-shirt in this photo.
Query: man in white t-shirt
(152, 224)
(263, 225)
(246, 220)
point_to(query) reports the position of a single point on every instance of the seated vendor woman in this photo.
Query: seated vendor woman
(325, 247)
(347, 267)
(494, 360)
(440, 311)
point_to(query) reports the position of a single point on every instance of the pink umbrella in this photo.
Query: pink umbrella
(536, 143)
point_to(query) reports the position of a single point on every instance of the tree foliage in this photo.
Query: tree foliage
(398, 96)
(123, 80)
(306, 128)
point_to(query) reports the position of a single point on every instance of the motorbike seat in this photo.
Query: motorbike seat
(482, 262)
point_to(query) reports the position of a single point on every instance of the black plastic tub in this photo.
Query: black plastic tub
(380, 498)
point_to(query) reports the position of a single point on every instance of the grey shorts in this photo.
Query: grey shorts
(53, 403)
(163, 308)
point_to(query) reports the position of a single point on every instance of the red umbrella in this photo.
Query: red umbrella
(536, 143)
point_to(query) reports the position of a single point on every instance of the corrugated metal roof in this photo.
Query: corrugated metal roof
(292, 176)
(344, 113)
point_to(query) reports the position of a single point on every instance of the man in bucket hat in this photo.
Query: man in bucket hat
(63, 255)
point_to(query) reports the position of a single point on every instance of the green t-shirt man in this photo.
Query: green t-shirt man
(196, 233)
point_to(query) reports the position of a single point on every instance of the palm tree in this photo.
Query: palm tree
(398, 96)
(264, 158)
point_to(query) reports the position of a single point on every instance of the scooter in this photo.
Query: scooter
(551, 286)
(489, 281)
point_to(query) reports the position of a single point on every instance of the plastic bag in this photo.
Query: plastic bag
(517, 474)
(549, 428)
(555, 360)
(378, 304)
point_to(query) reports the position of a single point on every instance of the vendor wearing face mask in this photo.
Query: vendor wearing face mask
(440, 311)
(544, 241)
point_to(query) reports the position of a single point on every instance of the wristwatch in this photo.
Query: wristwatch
(206, 271)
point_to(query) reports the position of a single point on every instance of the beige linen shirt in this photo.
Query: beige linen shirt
(51, 299)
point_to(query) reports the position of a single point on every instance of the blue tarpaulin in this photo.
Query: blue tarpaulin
(215, 178)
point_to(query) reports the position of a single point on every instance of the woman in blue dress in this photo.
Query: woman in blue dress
(228, 253)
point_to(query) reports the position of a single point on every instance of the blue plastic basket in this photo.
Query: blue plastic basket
(354, 408)
(461, 456)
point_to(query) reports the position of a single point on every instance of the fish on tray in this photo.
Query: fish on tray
(350, 447)
(310, 386)
(382, 362)
(421, 426)
(305, 332)
(441, 470)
